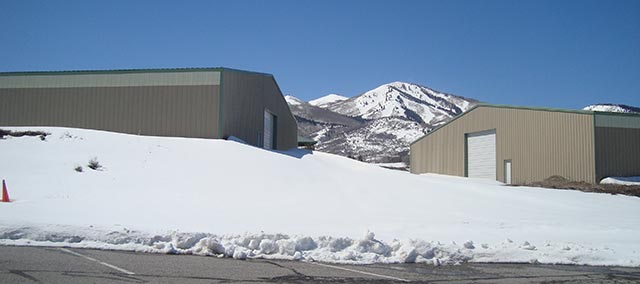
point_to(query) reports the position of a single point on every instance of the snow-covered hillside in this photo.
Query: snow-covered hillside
(326, 100)
(400, 99)
(216, 197)
(293, 101)
(388, 118)
(316, 122)
(612, 108)
(383, 139)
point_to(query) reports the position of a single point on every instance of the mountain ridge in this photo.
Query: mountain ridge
(608, 107)
(403, 99)
(326, 100)
(379, 124)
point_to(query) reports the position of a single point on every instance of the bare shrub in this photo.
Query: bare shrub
(94, 164)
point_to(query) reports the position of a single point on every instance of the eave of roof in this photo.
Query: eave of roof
(587, 112)
(125, 71)
(537, 108)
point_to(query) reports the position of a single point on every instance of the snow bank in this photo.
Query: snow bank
(344, 250)
(217, 197)
(621, 180)
(391, 165)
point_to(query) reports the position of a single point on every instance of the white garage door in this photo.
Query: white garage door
(268, 130)
(481, 154)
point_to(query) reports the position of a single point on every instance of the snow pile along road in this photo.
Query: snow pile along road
(215, 197)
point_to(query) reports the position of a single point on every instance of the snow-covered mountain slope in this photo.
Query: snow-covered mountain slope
(326, 100)
(399, 99)
(383, 139)
(293, 101)
(307, 111)
(216, 197)
(315, 122)
(385, 120)
(612, 108)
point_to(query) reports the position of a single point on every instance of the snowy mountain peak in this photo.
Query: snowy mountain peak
(378, 125)
(612, 108)
(406, 100)
(404, 85)
(326, 100)
(291, 100)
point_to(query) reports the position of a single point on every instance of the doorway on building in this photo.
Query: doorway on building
(507, 171)
(481, 154)
(269, 133)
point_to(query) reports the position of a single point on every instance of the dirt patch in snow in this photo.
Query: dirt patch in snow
(5, 133)
(559, 182)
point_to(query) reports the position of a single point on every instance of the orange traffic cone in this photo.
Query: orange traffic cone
(5, 194)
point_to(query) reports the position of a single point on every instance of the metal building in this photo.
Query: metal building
(190, 102)
(519, 145)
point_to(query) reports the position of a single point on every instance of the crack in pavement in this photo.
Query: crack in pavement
(284, 267)
(299, 277)
(24, 275)
(109, 276)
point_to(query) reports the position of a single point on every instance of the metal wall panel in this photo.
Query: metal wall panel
(617, 120)
(539, 144)
(245, 96)
(105, 79)
(184, 111)
(617, 152)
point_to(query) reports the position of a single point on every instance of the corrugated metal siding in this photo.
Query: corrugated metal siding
(244, 99)
(617, 152)
(539, 144)
(185, 111)
(64, 80)
(617, 120)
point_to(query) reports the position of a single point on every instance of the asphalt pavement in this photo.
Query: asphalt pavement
(70, 265)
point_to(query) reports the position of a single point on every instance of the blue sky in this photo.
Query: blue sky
(565, 54)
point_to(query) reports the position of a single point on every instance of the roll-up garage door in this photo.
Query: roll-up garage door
(481, 154)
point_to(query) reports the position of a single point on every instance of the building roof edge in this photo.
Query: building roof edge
(126, 71)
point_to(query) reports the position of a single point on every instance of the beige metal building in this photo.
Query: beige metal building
(190, 102)
(520, 145)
